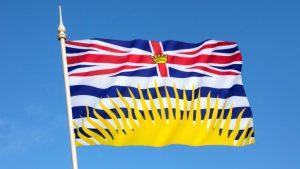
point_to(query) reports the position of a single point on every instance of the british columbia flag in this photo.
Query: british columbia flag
(113, 77)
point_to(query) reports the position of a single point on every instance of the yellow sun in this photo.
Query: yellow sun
(160, 131)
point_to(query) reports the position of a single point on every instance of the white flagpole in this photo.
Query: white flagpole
(62, 38)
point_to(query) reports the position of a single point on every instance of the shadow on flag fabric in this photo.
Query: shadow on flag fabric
(152, 93)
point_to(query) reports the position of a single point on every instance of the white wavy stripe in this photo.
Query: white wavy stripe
(104, 52)
(217, 69)
(85, 63)
(184, 69)
(224, 47)
(192, 70)
(125, 70)
(113, 64)
(188, 67)
(210, 64)
(109, 66)
(98, 42)
(91, 101)
(104, 82)
(208, 51)
(243, 123)
(86, 144)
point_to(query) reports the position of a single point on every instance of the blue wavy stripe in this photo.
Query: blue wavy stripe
(80, 111)
(181, 74)
(141, 73)
(230, 50)
(236, 90)
(97, 131)
(70, 68)
(71, 50)
(237, 67)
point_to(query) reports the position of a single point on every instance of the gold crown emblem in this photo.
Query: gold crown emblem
(160, 58)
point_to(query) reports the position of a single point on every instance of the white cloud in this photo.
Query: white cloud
(29, 129)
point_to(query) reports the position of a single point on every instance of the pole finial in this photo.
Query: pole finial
(61, 27)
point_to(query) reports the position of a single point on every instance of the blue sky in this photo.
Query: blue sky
(33, 118)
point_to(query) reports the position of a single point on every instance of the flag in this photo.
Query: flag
(153, 93)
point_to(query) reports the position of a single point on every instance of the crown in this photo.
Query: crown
(160, 58)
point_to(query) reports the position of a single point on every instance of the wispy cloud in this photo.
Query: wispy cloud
(19, 133)
(15, 138)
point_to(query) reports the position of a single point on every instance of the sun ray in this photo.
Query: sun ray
(198, 109)
(137, 112)
(112, 116)
(177, 111)
(121, 113)
(191, 111)
(156, 117)
(170, 110)
(161, 104)
(145, 107)
(110, 127)
(130, 116)
(97, 126)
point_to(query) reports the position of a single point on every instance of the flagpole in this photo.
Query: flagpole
(62, 38)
